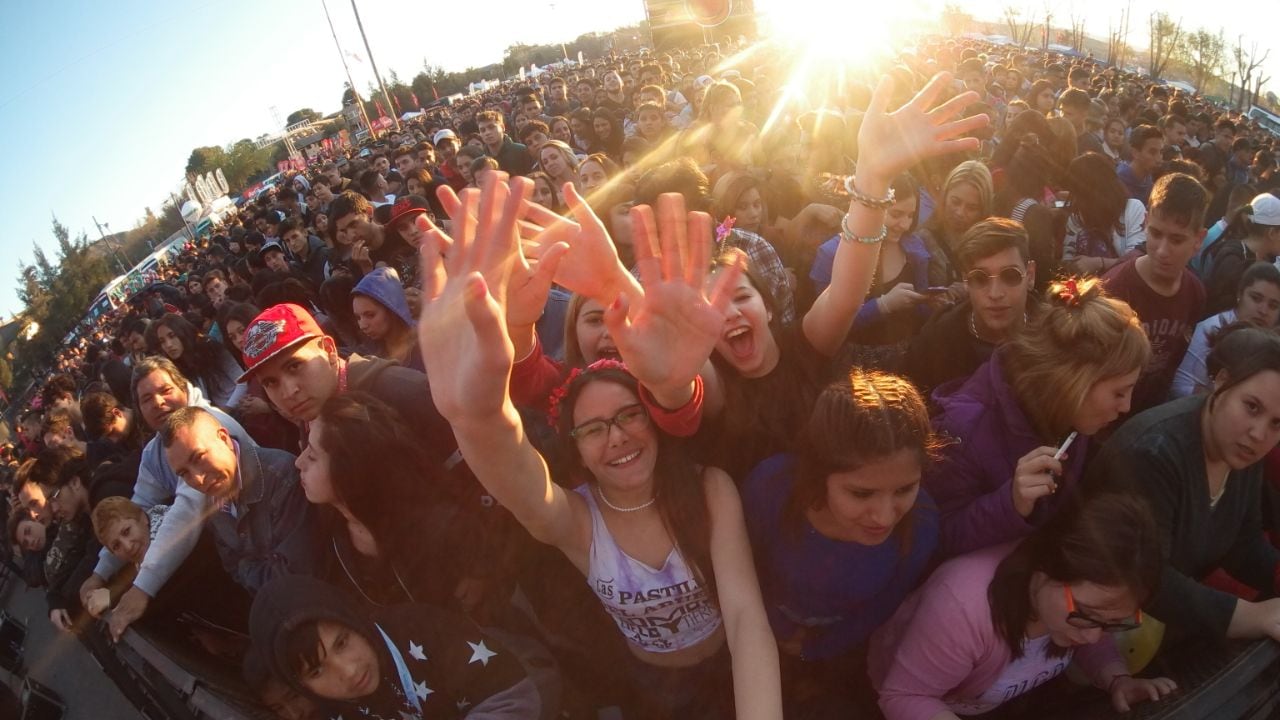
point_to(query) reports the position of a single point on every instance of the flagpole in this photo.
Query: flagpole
(385, 95)
(354, 92)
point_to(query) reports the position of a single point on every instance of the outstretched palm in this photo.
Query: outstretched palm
(591, 266)
(667, 332)
(892, 142)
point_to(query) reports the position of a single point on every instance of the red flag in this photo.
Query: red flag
(378, 104)
(395, 100)
(433, 91)
(414, 97)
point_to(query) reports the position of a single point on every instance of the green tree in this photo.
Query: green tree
(1204, 54)
(305, 114)
(205, 159)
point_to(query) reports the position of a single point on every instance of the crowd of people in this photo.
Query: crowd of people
(648, 385)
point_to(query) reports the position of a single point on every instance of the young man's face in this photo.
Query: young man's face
(998, 286)
(299, 382)
(382, 164)
(426, 157)
(348, 668)
(1224, 137)
(973, 80)
(533, 141)
(447, 148)
(296, 239)
(559, 91)
(334, 176)
(1149, 156)
(274, 260)
(491, 133)
(1170, 245)
(217, 290)
(586, 93)
(69, 501)
(650, 122)
(406, 163)
(1175, 134)
(351, 227)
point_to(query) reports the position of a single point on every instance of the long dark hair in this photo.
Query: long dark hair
(199, 360)
(866, 417)
(1241, 351)
(1098, 197)
(678, 481)
(242, 312)
(1108, 538)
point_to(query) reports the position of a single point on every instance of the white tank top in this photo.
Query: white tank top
(661, 610)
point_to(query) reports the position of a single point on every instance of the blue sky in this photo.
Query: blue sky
(101, 103)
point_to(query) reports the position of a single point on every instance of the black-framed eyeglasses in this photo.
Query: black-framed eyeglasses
(1009, 277)
(631, 417)
(1077, 619)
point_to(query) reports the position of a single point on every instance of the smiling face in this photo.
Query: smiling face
(594, 341)
(348, 665)
(1259, 304)
(127, 539)
(866, 504)
(202, 455)
(300, 381)
(552, 160)
(1243, 422)
(602, 127)
(562, 131)
(747, 341)
(622, 457)
(158, 396)
(1106, 401)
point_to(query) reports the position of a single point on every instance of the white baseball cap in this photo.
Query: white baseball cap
(1266, 210)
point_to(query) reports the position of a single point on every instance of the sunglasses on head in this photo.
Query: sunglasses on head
(1009, 277)
(1080, 620)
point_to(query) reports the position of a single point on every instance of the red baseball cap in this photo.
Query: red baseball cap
(275, 330)
(407, 206)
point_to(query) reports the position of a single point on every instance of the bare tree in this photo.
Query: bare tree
(1164, 43)
(1076, 35)
(1047, 30)
(1117, 40)
(1247, 63)
(1205, 55)
(1019, 31)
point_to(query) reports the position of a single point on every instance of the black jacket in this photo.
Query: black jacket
(945, 349)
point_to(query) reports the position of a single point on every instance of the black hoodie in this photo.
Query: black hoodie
(455, 670)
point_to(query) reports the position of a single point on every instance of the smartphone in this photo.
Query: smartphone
(1059, 204)
(936, 290)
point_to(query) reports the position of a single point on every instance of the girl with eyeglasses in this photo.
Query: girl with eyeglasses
(1199, 462)
(1022, 422)
(993, 625)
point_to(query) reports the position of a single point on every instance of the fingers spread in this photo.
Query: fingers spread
(672, 237)
(699, 250)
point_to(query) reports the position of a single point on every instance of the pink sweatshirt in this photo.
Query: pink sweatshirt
(941, 645)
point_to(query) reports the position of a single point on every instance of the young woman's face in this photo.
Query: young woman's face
(1045, 101)
(593, 337)
(592, 175)
(578, 126)
(623, 456)
(464, 167)
(868, 503)
(415, 186)
(128, 540)
(543, 194)
(651, 123)
(1106, 401)
(963, 208)
(1115, 135)
(553, 162)
(602, 128)
(562, 131)
(749, 212)
(899, 217)
(374, 319)
(313, 469)
(348, 667)
(1244, 421)
(1259, 305)
(1100, 603)
(747, 342)
(170, 345)
(321, 221)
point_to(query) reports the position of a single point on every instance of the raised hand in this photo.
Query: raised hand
(591, 267)
(464, 281)
(666, 332)
(1033, 478)
(892, 142)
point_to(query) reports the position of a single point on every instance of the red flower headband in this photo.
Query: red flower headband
(558, 395)
(1069, 293)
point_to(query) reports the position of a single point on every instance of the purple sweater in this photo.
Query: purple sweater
(973, 484)
(941, 644)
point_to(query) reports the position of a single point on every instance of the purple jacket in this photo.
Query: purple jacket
(973, 483)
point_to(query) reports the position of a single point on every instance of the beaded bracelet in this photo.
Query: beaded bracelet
(864, 199)
(848, 235)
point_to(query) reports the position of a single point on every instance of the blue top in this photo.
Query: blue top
(840, 591)
(1139, 187)
(869, 313)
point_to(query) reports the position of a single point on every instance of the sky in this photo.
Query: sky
(102, 103)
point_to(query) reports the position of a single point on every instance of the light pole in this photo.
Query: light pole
(385, 95)
(354, 93)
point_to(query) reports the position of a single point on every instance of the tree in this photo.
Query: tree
(1075, 36)
(1019, 31)
(205, 159)
(1204, 53)
(1164, 43)
(1118, 41)
(1247, 63)
(302, 115)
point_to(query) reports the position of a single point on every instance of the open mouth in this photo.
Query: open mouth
(741, 342)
